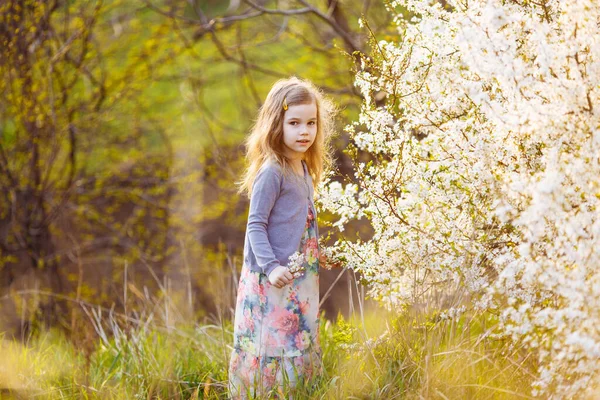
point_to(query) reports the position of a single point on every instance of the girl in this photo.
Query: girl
(276, 324)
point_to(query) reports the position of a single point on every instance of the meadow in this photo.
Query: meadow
(417, 354)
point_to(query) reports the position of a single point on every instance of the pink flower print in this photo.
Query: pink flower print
(256, 310)
(299, 342)
(299, 363)
(284, 320)
(303, 307)
(255, 287)
(315, 253)
(312, 244)
(272, 341)
(260, 291)
(269, 374)
(302, 340)
(235, 361)
(248, 322)
(262, 299)
(248, 369)
(252, 363)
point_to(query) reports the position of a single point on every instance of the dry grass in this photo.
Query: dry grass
(154, 352)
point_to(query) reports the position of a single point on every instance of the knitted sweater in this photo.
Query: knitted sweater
(277, 217)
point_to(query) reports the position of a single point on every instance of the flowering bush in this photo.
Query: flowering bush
(485, 171)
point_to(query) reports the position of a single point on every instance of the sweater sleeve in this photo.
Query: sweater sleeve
(265, 191)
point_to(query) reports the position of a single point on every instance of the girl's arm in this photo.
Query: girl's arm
(265, 191)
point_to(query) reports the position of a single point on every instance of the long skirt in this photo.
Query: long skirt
(276, 331)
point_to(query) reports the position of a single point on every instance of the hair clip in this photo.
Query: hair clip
(285, 106)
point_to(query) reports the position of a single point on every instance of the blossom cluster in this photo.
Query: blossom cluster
(296, 264)
(485, 171)
(332, 258)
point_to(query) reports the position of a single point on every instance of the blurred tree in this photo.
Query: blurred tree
(41, 66)
(72, 137)
(120, 134)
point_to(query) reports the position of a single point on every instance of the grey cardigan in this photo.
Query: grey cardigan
(277, 217)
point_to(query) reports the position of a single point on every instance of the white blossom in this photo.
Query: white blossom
(486, 172)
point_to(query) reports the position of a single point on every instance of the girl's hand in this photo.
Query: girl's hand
(324, 262)
(280, 277)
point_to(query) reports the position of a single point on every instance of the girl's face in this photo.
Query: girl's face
(299, 129)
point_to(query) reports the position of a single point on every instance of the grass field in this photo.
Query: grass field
(381, 356)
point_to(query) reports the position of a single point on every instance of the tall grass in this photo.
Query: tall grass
(378, 355)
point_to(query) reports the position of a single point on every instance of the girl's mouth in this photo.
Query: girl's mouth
(303, 141)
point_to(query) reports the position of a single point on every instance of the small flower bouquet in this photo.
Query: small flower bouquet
(327, 260)
(296, 264)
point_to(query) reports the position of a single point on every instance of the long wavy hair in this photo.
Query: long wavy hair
(265, 141)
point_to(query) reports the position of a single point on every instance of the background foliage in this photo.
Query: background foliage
(120, 137)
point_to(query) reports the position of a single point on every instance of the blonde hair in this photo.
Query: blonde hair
(265, 141)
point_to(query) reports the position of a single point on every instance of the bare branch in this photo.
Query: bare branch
(244, 63)
(335, 24)
(278, 11)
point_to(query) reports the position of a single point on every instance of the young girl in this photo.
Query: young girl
(276, 325)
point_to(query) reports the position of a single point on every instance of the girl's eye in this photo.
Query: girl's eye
(294, 122)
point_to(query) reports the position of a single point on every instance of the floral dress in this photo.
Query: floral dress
(276, 331)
